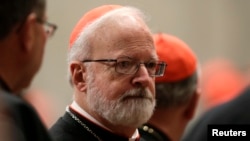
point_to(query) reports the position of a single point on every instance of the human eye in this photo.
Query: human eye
(151, 65)
(124, 64)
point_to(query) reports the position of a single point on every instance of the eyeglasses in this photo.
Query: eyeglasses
(48, 27)
(125, 65)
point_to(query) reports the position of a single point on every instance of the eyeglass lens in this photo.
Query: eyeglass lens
(128, 66)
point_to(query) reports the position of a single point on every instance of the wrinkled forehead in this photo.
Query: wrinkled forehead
(120, 25)
(135, 44)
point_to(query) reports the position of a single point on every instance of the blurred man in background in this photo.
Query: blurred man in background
(23, 33)
(176, 93)
(226, 103)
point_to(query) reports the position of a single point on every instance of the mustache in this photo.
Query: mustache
(142, 93)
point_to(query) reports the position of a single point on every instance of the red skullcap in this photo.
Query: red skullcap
(181, 61)
(89, 17)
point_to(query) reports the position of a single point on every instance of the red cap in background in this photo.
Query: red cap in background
(180, 59)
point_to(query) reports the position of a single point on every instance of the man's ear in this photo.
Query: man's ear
(78, 75)
(192, 105)
(27, 32)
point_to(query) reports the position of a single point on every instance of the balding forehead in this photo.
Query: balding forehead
(122, 28)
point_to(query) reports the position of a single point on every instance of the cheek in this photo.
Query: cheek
(42, 45)
(44, 36)
(41, 40)
(108, 88)
(111, 88)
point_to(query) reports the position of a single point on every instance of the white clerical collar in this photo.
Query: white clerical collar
(81, 111)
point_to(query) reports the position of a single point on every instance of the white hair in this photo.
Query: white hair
(82, 46)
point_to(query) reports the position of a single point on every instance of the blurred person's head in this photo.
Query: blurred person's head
(221, 82)
(113, 65)
(23, 34)
(177, 90)
(22, 40)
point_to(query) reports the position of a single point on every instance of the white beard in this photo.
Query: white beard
(133, 108)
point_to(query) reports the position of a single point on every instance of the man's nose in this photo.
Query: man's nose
(142, 76)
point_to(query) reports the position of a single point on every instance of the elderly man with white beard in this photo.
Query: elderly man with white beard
(112, 65)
